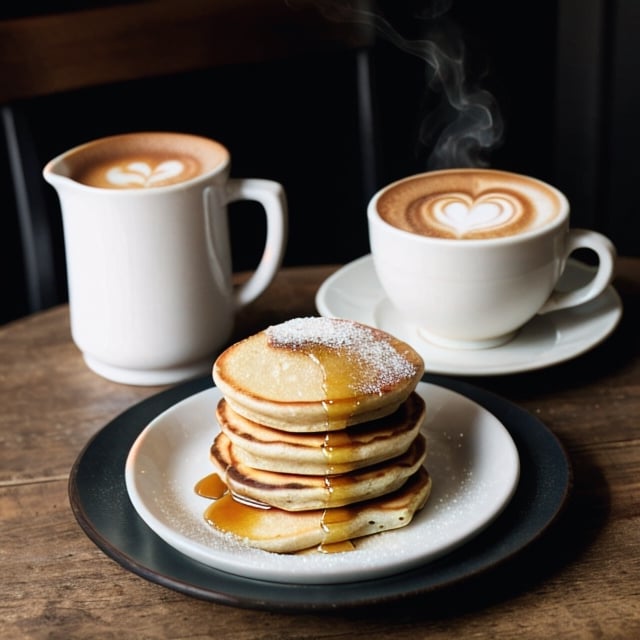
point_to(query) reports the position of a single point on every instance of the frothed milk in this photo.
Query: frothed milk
(469, 204)
(144, 160)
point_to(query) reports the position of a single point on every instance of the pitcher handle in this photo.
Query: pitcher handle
(272, 197)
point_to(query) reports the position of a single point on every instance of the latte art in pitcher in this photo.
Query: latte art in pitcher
(140, 172)
(145, 160)
(468, 204)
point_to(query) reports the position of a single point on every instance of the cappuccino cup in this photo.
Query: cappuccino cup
(148, 252)
(469, 256)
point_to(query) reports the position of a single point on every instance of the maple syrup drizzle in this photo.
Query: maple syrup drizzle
(339, 375)
(334, 522)
(336, 547)
(231, 516)
(211, 486)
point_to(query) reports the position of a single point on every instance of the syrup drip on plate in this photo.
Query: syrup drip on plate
(211, 486)
(231, 515)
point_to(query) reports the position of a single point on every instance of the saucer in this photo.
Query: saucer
(354, 292)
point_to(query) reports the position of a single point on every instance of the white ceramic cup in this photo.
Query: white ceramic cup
(149, 257)
(476, 290)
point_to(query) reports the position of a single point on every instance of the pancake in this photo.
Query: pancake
(282, 531)
(296, 492)
(317, 374)
(319, 438)
(322, 453)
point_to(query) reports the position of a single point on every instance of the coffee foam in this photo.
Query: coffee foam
(144, 160)
(469, 204)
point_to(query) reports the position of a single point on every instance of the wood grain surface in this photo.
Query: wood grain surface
(579, 580)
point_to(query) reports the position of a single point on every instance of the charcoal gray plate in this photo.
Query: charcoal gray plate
(101, 505)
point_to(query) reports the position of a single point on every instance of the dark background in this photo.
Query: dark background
(564, 76)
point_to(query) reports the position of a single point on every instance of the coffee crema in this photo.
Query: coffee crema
(468, 204)
(145, 160)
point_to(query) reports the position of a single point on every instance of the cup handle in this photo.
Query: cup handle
(272, 197)
(606, 252)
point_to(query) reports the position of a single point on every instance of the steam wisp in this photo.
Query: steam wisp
(466, 124)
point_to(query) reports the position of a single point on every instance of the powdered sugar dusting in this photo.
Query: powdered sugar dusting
(381, 363)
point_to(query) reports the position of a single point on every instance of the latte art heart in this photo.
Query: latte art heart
(463, 214)
(146, 160)
(144, 175)
(469, 204)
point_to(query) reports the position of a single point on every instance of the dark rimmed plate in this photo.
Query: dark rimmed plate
(100, 503)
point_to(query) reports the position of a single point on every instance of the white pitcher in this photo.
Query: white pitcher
(149, 267)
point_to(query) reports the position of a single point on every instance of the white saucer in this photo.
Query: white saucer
(354, 292)
(472, 460)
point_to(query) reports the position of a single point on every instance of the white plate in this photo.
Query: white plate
(354, 292)
(472, 459)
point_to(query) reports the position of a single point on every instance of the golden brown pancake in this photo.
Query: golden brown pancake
(282, 531)
(317, 374)
(322, 453)
(297, 492)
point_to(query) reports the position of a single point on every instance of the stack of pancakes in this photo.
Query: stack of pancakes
(319, 437)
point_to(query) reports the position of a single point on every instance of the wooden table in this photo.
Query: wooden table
(580, 580)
